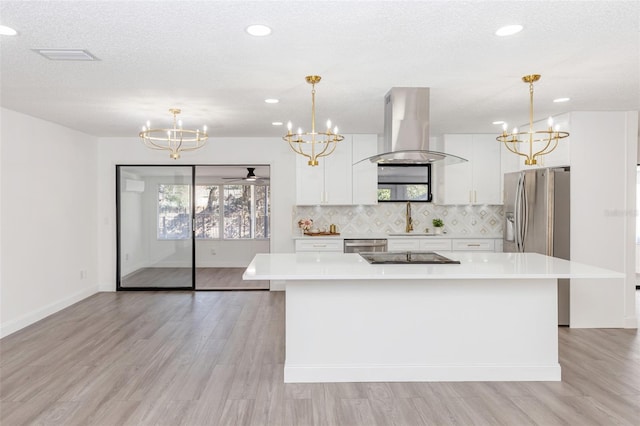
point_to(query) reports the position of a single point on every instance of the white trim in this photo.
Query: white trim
(277, 285)
(420, 373)
(23, 321)
(631, 322)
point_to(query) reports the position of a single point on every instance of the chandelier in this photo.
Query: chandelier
(174, 140)
(313, 145)
(548, 138)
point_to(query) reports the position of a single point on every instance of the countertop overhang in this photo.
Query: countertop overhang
(351, 266)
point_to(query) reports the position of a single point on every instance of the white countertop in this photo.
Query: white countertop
(479, 265)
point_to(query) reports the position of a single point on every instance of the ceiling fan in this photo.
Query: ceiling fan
(251, 177)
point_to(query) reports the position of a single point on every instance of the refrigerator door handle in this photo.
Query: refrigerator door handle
(525, 214)
(516, 210)
(520, 213)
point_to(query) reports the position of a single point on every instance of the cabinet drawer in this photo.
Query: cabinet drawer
(402, 245)
(334, 245)
(435, 245)
(474, 245)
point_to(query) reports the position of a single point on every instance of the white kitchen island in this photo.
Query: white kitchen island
(493, 317)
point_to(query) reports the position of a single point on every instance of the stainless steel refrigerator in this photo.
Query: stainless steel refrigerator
(537, 218)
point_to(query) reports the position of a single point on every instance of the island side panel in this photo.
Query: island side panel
(426, 330)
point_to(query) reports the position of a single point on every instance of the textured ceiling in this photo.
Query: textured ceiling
(196, 55)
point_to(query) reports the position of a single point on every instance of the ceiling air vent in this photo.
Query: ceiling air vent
(66, 54)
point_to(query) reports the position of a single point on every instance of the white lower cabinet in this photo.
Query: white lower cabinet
(443, 244)
(320, 244)
(428, 244)
(398, 244)
(474, 245)
(419, 244)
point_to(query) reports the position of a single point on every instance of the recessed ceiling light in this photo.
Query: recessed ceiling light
(66, 54)
(508, 30)
(277, 123)
(562, 100)
(272, 101)
(498, 122)
(4, 30)
(258, 30)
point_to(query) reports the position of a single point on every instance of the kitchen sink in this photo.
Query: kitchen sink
(406, 257)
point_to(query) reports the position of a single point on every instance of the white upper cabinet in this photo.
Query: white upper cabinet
(335, 180)
(477, 181)
(327, 183)
(365, 174)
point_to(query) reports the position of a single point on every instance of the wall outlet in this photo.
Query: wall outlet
(126, 257)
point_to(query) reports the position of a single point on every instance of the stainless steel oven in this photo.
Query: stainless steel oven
(365, 245)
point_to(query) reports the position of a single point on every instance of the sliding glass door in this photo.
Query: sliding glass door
(155, 227)
(231, 224)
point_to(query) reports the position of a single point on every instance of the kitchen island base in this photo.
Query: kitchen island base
(421, 330)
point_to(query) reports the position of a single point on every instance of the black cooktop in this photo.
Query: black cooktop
(406, 257)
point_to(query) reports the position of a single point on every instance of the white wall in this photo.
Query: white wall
(48, 219)
(130, 151)
(603, 174)
(228, 253)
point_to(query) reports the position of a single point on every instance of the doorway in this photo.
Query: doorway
(191, 227)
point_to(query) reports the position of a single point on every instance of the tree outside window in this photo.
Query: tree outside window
(174, 215)
(207, 211)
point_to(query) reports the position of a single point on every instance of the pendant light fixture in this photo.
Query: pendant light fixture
(176, 139)
(548, 138)
(313, 145)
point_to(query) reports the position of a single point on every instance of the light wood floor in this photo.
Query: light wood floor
(197, 358)
(206, 279)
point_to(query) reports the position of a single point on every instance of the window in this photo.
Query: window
(237, 211)
(221, 211)
(174, 212)
(207, 211)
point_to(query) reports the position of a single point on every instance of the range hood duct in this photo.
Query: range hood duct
(406, 129)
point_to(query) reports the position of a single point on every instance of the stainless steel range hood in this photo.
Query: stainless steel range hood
(406, 129)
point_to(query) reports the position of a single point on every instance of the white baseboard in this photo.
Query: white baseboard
(23, 321)
(278, 285)
(420, 373)
(631, 322)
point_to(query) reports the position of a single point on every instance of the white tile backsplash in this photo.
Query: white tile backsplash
(476, 220)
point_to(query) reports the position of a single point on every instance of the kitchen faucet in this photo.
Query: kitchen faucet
(409, 226)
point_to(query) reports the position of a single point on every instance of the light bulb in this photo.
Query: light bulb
(299, 130)
(550, 121)
(180, 123)
(148, 124)
(204, 128)
(557, 127)
(289, 126)
(504, 127)
(515, 131)
(329, 125)
(144, 128)
(335, 130)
